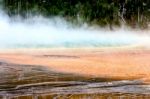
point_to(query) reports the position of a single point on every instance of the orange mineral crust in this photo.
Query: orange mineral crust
(112, 63)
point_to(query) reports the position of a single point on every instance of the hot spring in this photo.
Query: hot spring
(70, 73)
(37, 32)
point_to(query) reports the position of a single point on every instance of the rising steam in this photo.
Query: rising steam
(55, 32)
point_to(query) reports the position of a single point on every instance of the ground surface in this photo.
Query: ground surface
(113, 63)
(76, 73)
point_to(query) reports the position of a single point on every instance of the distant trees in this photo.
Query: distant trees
(102, 12)
(137, 12)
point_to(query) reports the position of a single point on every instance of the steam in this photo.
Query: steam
(37, 32)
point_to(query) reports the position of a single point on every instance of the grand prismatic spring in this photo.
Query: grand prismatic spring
(48, 57)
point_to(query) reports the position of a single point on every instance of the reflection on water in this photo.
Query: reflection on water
(37, 82)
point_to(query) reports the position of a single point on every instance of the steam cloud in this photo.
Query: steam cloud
(55, 32)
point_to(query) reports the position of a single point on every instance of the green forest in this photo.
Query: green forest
(134, 13)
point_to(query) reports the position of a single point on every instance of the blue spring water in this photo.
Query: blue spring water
(37, 32)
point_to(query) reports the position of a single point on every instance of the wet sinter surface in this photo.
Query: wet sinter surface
(38, 82)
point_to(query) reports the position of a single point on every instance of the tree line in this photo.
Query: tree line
(135, 13)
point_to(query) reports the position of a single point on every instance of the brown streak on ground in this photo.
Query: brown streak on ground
(120, 64)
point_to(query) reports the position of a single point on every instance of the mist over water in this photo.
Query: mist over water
(37, 32)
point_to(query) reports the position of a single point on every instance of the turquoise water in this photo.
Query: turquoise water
(37, 32)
